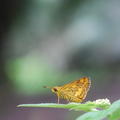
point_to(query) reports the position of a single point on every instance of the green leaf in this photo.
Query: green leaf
(113, 113)
(88, 106)
(106, 110)
(71, 106)
(50, 105)
(98, 115)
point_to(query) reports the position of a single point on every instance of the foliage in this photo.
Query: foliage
(96, 110)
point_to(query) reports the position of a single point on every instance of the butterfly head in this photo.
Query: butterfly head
(55, 89)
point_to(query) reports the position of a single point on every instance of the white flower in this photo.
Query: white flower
(102, 101)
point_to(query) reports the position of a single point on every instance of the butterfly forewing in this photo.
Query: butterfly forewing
(75, 91)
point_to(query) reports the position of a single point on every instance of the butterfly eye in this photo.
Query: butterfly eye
(55, 89)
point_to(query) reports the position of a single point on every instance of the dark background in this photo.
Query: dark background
(51, 42)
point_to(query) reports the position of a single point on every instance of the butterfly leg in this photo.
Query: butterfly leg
(68, 101)
(58, 99)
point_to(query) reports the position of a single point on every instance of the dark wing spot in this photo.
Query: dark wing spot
(78, 81)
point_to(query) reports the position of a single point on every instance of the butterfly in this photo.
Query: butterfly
(75, 91)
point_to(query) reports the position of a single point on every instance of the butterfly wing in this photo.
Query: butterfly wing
(76, 91)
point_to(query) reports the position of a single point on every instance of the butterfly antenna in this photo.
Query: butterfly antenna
(47, 87)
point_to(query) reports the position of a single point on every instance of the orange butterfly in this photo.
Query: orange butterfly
(75, 91)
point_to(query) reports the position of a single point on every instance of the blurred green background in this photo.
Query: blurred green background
(53, 42)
